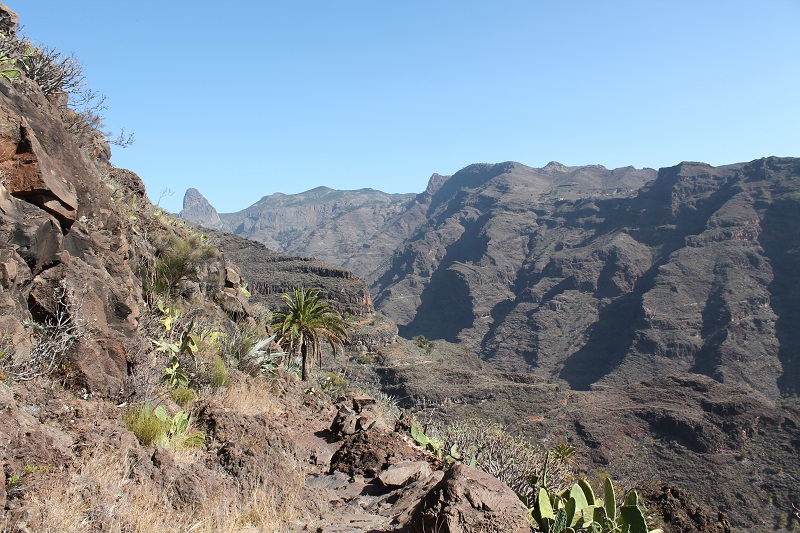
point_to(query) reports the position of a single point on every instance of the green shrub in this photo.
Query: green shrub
(177, 258)
(334, 384)
(578, 509)
(144, 423)
(365, 358)
(155, 426)
(183, 396)
(422, 342)
(219, 373)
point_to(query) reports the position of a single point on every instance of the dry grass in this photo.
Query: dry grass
(100, 495)
(252, 398)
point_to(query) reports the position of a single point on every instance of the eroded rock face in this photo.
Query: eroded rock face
(694, 433)
(253, 450)
(682, 513)
(569, 271)
(31, 173)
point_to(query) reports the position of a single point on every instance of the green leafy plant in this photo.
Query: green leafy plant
(7, 68)
(423, 342)
(174, 375)
(309, 320)
(255, 355)
(334, 384)
(177, 258)
(563, 452)
(169, 314)
(578, 509)
(143, 422)
(514, 459)
(436, 446)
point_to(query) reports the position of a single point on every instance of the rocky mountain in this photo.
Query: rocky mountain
(569, 293)
(196, 209)
(662, 324)
(594, 288)
(357, 230)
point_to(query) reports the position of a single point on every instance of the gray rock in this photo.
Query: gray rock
(404, 473)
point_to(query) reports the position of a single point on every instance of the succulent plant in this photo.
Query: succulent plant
(578, 509)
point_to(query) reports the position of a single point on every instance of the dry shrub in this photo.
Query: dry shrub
(514, 459)
(252, 397)
(100, 495)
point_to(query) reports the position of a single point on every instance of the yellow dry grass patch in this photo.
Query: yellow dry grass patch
(100, 495)
(252, 398)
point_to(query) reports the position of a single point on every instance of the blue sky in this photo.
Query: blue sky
(246, 98)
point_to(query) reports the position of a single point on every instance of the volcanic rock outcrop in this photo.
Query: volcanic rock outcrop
(197, 209)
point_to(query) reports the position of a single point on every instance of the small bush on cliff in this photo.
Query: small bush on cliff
(220, 377)
(334, 384)
(58, 73)
(143, 423)
(183, 396)
(177, 259)
(53, 337)
(423, 342)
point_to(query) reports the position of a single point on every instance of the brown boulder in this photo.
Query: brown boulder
(30, 173)
(188, 485)
(34, 235)
(404, 473)
(85, 304)
(367, 453)
(469, 500)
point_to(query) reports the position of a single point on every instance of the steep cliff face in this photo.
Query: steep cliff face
(61, 239)
(564, 273)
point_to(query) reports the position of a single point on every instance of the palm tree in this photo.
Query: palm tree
(309, 320)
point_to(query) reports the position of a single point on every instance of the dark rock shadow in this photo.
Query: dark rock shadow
(780, 238)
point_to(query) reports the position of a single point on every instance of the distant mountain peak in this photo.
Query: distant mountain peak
(198, 210)
(555, 166)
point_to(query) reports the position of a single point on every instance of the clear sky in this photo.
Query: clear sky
(246, 98)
